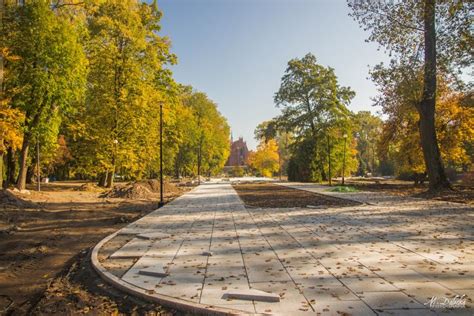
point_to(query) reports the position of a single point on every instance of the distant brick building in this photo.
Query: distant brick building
(238, 153)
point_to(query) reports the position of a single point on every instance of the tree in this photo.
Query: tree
(10, 131)
(423, 34)
(266, 159)
(211, 133)
(93, 73)
(400, 138)
(314, 110)
(270, 130)
(50, 72)
(10, 118)
(127, 58)
(368, 131)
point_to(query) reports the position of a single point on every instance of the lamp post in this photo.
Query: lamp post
(161, 203)
(344, 158)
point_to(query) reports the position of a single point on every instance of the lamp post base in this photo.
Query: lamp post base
(161, 204)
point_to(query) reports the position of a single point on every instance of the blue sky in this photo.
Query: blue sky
(236, 51)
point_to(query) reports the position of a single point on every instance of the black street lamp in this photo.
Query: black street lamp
(344, 158)
(161, 203)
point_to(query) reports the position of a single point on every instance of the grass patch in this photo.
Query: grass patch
(344, 188)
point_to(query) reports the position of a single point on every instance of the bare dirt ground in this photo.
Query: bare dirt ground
(45, 238)
(272, 195)
(461, 193)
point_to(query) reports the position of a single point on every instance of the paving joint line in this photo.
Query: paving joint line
(284, 267)
(319, 262)
(207, 260)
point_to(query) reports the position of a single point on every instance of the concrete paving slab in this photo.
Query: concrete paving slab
(389, 300)
(251, 295)
(338, 308)
(135, 248)
(156, 270)
(153, 235)
(384, 257)
(291, 300)
(369, 284)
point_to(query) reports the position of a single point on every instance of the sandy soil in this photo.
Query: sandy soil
(272, 195)
(47, 235)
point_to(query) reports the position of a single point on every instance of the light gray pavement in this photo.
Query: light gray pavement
(389, 257)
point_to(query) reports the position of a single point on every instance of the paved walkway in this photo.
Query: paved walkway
(389, 257)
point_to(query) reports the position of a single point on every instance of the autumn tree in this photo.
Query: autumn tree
(10, 118)
(87, 83)
(10, 131)
(427, 35)
(271, 130)
(400, 90)
(126, 57)
(50, 72)
(211, 133)
(265, 160)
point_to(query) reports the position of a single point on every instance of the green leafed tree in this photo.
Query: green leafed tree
(368, 132)
(210, 133)
(314, 109)
(50, 74)
(119, 122)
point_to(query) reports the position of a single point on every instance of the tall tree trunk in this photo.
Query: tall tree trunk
(30, 174)
(102, 179)
(199, 165)
(11, 167)
(110, 178)
(426, 108)
(21, 183)
(2, 163)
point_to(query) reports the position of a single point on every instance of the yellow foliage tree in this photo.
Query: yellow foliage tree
(265, 160)
(454, 123)
(11, 119)
(10, 131)
(455, 127)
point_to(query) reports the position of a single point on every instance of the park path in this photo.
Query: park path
(378, 258)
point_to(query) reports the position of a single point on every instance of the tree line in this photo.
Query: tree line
(428, 108)
(83, 84)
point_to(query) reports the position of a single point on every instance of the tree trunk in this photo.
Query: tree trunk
(426, 108)
(21, 183)
(329, 162)
(11, 167)
(199, 166)
(1, 169)
(30, 174)
(102, 179)
(110, 178)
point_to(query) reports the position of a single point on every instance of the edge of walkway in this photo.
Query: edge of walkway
(337, 195)
(344, 195)
(164, 300)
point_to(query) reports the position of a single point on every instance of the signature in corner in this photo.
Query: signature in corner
(446, 302)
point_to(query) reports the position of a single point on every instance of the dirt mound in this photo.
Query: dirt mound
(8, 198)
(129, 191)
(146, 189)
(89, 187)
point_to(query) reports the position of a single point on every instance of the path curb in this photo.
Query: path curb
(167, 301)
